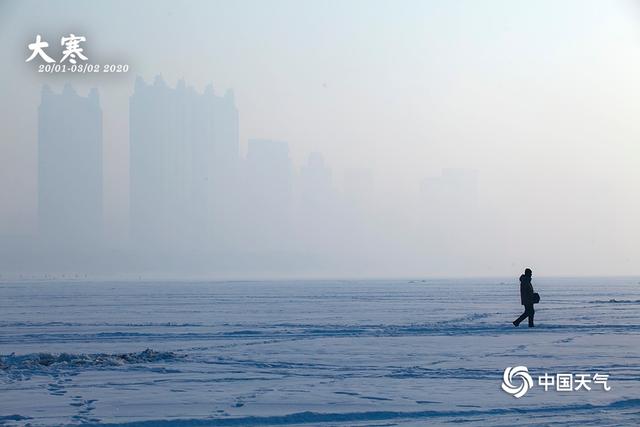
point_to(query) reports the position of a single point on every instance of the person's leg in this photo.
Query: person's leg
(531, 313)
(521, 318)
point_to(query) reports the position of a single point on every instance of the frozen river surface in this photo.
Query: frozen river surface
(314, 353)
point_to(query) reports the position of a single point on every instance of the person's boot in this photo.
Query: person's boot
(515, 323)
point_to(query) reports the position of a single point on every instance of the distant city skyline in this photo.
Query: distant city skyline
(392, 95)
(191, 190)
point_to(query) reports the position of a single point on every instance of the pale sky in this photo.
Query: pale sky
(542, 98)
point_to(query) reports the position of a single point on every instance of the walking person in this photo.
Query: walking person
(527, 298)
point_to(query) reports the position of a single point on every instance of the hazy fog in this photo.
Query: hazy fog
(403, 138)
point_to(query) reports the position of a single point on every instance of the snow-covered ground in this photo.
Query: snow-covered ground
(315, 353)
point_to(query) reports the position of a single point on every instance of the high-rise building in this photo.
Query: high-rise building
(70, 209)
(316, 199)
(268, 173)
(183, 162)
(315, 180)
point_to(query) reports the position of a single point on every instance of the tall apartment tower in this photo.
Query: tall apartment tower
(183, 156)
(70, 210)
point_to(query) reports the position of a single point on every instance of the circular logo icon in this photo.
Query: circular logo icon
(519, 374)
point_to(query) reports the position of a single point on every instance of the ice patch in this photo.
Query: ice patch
(39, 361)
(369, 416)
(29, 324)
(616, 301)
(4, 418)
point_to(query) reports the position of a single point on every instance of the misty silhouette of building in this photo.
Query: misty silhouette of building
(358, 203)
(315, 180)
(316, 202)
(70, 204)
(183, 161)
(268, 191)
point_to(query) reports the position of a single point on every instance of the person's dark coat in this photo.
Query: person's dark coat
(526, 290)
